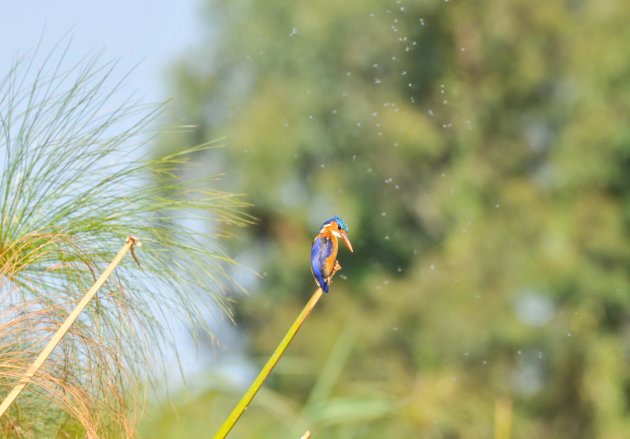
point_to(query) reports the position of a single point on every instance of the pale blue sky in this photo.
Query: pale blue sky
(151, 33)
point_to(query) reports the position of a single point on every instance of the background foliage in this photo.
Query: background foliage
(479, 151)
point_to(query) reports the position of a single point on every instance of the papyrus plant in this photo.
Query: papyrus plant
(76, 178)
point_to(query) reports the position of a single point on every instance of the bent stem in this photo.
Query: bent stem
(268, 367)
(63, 329)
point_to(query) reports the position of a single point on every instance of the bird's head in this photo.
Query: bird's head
(337, 227)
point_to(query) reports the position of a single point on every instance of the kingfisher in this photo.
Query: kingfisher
(324, 262)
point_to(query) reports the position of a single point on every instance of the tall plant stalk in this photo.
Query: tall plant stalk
(63, 329)
(268, 367)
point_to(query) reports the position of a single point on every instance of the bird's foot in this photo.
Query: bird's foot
(336, 268)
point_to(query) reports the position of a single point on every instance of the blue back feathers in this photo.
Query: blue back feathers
(320, 251)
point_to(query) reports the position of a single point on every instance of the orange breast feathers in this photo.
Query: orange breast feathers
(329, 262)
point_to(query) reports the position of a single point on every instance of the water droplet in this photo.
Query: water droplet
(294, 32)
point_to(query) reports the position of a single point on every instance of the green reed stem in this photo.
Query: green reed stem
(268, 367)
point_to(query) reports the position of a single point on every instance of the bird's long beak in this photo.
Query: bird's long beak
(346, 240)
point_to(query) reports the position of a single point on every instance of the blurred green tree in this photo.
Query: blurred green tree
(479, 152)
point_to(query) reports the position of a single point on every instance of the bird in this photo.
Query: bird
(324, 262)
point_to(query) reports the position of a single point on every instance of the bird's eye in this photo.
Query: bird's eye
(338, 227)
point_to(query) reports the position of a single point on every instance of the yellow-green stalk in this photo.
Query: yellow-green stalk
(268, 367)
